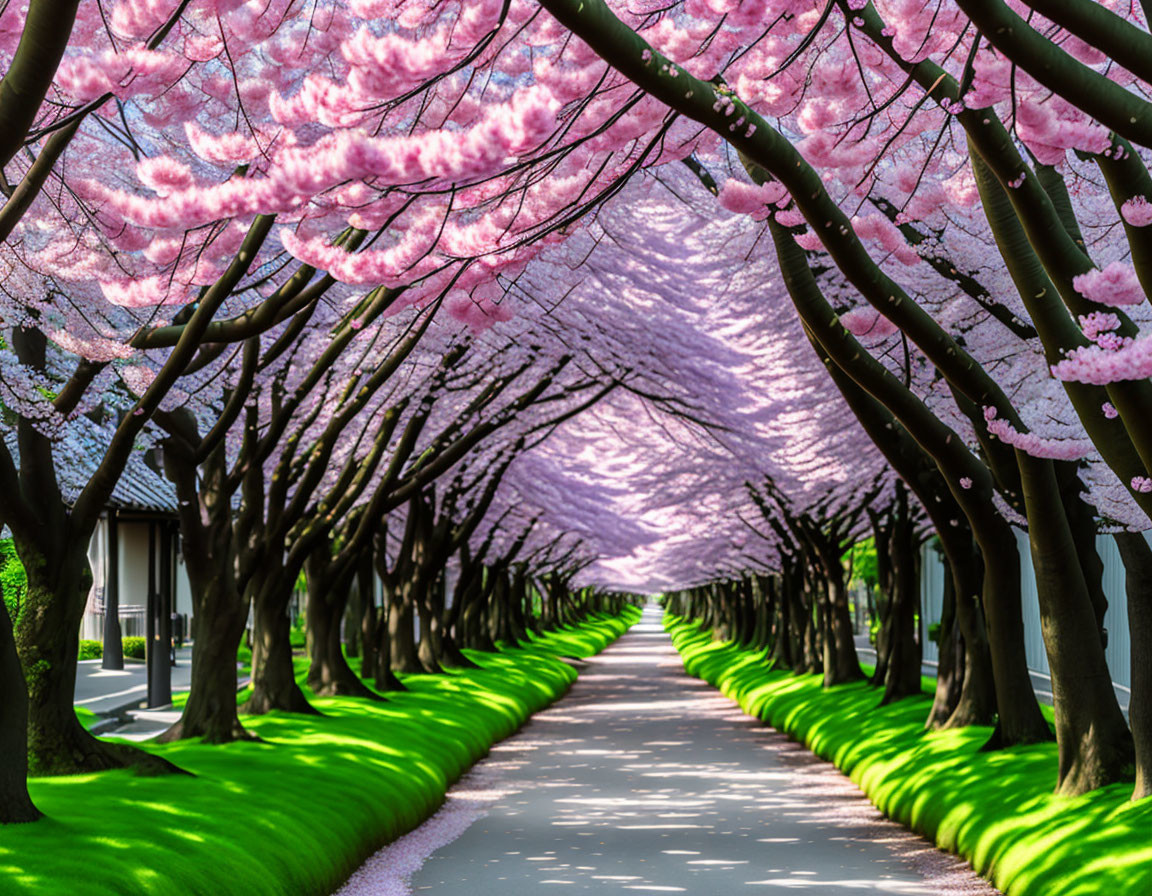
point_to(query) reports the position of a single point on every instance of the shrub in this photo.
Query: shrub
(13, 582)
(134, 648)
(91, 650)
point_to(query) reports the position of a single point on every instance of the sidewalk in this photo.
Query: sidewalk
(119, 696)
(103, 691)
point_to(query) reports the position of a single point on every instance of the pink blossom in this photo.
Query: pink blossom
(1115, 285)
(867, 321)
(1030, 443)
(750, 199)
(164, 174)
(878, 227)
(1137, 211)
(1098, 322)
(1101, 364)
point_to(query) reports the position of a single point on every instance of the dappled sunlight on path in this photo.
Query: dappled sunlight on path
(643, 780)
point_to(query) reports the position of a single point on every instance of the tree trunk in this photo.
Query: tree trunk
(426, 652)
(1137, 557)
(353, 613)
(841, 665)
(329, 674)
(905, 651)
(273, 673)
(1093, 740)
(1020, 720)
(206, 522)
(514, 606)
(211, 711)
(401, 635)
(809, 647)
(15, 803)
(977, 703)
(48, 643)
(450, 653)
(385, 678)
(782, 638)
(950, 668)
(474, 616)
(367, 621)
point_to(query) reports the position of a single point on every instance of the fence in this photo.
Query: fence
(1118, 651)
(133, 623)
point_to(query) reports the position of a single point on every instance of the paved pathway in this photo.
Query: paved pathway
(120, 696)
(643, 780)
(102, 690)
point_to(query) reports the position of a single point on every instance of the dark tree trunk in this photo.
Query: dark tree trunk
(1020, 720)
(841, 665)
(1137, 557)
(805, 612)
(401, 634)
(273, 673)
(474, 615)
(1093, 740)
(47, 641)
(450, 653)
(211, 711)
(426, 648)
(515, 607)
(329, 674)
(765, 610)
(353, 613)
(950, 668)
(977, 701)
(977, 705)
(385, 679)
(1082, 523)
(782, 637)
(905, 651)
(15, 804)
(367, 622)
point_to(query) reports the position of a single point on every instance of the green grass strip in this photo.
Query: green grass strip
(299, 812)
(996, 809)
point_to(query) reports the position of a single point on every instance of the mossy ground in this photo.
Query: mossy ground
(997, 809)
(299, 812)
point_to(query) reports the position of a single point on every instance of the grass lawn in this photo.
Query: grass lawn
(299, 812)
(996, 809)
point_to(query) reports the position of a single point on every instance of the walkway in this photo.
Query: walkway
(645, 780)
(120, 696)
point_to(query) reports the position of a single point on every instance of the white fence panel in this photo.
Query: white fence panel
(932, 574)
(1118, 653)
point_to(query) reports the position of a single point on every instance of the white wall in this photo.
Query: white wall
(133, 554)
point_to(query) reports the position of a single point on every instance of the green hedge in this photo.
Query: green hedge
(134, 648)
(996, 809)
(13, 582)
(300, 810)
